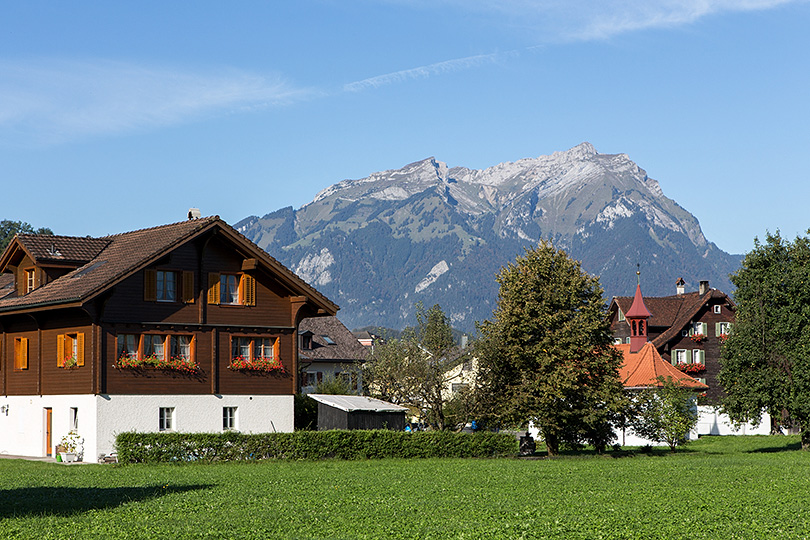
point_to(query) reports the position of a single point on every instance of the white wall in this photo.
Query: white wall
(101, 418)
(22, 422)
(711, 422)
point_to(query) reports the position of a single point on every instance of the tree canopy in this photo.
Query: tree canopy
(413, 370)
(765, 363)
(547, 354)
(8, 229)
(664, 414)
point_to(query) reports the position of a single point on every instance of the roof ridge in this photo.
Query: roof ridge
(156, 227)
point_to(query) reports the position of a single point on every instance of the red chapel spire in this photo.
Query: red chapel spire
(637, 317)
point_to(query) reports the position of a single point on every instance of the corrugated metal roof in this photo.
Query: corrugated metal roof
(356, 403)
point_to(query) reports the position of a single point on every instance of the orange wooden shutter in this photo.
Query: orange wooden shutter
(193, 349)
(275, 351)
(60, 350)
(213, 288)
(21, 354)
(248, 290)
(188, 287)
(80, 349)
(150, 285)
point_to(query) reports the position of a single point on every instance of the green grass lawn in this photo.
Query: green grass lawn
(717, 487)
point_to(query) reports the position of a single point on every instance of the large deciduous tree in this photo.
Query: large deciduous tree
(412, 370)
(765, 363)
(547, 354)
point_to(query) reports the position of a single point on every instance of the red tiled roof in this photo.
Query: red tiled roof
(643, 369)
(638, 309)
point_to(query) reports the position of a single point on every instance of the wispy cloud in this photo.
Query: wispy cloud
(560, 21)
(47, 101)
(423, 72)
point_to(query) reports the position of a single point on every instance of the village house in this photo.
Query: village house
(685, 328)
(183, 327)
(685, 331)
(327, 349)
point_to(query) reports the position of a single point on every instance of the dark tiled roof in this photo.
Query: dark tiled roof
(346, 348)
(122, 254)
(672, 312)
(6, 284)
(61, 249)
(119, 255)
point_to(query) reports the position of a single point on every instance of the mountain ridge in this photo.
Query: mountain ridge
(439, 234)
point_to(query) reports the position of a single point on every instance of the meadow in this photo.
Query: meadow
(717, 487)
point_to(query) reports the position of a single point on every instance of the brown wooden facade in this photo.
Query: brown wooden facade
(103, 293)
(695, 324)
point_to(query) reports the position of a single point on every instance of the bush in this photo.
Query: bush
(337, 444)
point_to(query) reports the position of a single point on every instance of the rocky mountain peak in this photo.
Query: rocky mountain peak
(426, 232)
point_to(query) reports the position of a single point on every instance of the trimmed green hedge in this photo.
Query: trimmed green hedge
(338, 444)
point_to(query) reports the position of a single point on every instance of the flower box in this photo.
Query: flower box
(266, 365)
(175, 363)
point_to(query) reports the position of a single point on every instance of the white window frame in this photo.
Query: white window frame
(698, 356)
(166, 419)
(229, 418)
(73, 419)
(676, 353)
(718, 308)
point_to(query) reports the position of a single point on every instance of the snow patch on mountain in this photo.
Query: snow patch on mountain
(612, 212)
(435, 273)
(314, 268)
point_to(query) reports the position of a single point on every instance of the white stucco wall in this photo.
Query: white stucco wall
(101, 418)
(711, 422)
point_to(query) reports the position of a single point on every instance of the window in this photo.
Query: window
(621, 315)
(128, 346)
(231, 289)
(245, 348)
(154, 346)
(722, 329)
(30, 280)
(21, 353)
(679, 356)
(617, 341)
(228, 418)
(699, 356)
(166, 286)
(306, 342)
(699, 328)
(312, 378)
(70, 350)
(718, 308)
(181, 347)
(328, 340)
(166, 419)
(73, 419)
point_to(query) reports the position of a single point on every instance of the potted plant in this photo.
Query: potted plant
(72, 445)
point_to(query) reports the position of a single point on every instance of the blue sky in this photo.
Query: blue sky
(116, 116)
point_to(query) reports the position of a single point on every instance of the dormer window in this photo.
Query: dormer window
(306, 342)
(30, 280)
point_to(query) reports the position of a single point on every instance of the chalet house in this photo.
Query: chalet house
(683, 331)
(686, 328)
(328, 349)
(183, 327)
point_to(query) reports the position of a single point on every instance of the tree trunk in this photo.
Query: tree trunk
(805, 436)
(552, 443)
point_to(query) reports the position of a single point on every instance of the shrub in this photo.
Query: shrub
(338, 444)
